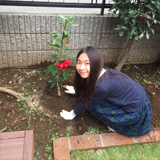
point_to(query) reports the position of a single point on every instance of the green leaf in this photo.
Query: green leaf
(62, 17)
(132, 31)
(129, 34)
(122, 16)
(55, 45)
(133, 11)
(49, 68)
(58, 49)
(56, 41)
(130, 24)
(55, 32)
(121, 11)
(151, 7)
(148, 24)
(53, 84)
(158, 22)
(152, 30)
(52, 79)
(121, 33)
(124, 27)
(67, 36)
(67, 54)
(54, 56)
(59, 83)
(62, 77)
(72, 24)
(70, 16)
(126, 18)
(126, 22)
(65, 32)
(59, 23)
(65, 74)
(62, 59)
(146, 32)
(117, 29)
(55, 36)
(52, 68)
(66, 49)
(134, 21)
(136, 37)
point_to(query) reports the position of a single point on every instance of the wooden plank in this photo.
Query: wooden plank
(11, 149)
(28, 145)
(12, 135)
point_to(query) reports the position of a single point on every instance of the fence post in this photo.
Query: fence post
(102, 9)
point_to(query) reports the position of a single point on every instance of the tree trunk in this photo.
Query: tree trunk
(125, 56)
(58, 87)
(58, 91)
(158, 62)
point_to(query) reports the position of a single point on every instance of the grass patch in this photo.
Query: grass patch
(150, 151)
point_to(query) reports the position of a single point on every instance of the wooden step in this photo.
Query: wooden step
(18, 145)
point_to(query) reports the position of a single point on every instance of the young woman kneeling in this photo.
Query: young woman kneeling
(111, 96)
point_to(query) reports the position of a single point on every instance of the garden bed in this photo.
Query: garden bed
(46, 121)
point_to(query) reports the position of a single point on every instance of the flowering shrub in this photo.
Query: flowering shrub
(137, 18)
(59, 68)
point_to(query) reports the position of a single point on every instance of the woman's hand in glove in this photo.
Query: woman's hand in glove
(67, 115)
(70, 89)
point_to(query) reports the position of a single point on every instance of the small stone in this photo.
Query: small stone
(10, 81)
(79, 128)
(14, 81)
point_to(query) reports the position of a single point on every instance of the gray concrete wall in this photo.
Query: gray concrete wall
(24, 39)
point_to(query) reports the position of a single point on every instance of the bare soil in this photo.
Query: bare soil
(33, 83)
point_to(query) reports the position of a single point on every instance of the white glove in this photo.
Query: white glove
(67, 115)
(70, 89)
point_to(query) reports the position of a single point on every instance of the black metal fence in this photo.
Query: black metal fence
(61, 3)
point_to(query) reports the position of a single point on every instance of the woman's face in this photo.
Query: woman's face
(83, 65)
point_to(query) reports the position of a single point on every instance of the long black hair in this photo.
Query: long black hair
(96, 64)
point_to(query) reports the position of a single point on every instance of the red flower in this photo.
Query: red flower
(67, 61)
(57, 64)
(64, 64)
(60, 68)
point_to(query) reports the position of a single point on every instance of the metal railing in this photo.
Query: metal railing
(102, 4)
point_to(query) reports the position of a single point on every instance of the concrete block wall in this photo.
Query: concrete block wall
(24, 39)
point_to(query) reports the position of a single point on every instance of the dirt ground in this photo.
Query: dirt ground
(46, 121)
